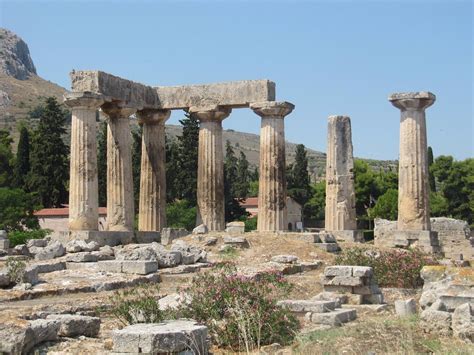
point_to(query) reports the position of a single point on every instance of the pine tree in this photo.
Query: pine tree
(22, 164)
(233, 210)
(6, 159)
(49, 161)
(298, 180)
(136, 163)
(188, 144)
(102, 163)
(242, 183)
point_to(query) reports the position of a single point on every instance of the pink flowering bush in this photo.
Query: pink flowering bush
(240, 311)
(392, 268)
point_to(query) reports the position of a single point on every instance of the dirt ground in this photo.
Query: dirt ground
(371, 333)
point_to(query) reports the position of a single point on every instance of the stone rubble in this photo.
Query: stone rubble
(168, 235)
(356, 282)
(405, 308)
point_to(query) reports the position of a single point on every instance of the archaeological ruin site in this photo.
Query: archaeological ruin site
(327, 211)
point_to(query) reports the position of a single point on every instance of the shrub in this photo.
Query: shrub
(16, 210)
(180, 214)
(239, 311)
(137, 305)
(21, 237)
(250, 224)
(15, 270)
(392, 268)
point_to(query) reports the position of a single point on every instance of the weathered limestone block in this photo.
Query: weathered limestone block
(82, 257)
(285, 259)
(72, 325)
(16, 338)
(210, 188)
(438, 322)
(45, 329)
(239, 242)
(172, 336)
(232, 94)
(454, 237)
(413, 184)
(463, 322)
(405, 308)
(300, 306)
(83, 184)
(335, 318)
(4, 244)
(120, 209)
(340, 191)
(152, 206)
(272, 212)
(170, 234)
(235, 227)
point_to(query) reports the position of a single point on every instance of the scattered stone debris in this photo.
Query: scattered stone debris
(285, 259)
(356, 282)
(200, 229)
(235, 228)
(173, 336)
(239, 242)
(168, 235)
(72, 325)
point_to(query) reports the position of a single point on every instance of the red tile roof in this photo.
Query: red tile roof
(250, 202)
(62, 212)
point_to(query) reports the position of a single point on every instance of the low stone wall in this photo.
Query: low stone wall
(454, 236)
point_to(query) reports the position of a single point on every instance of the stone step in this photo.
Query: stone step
(300, 306)
(329, 247)
(334, 318)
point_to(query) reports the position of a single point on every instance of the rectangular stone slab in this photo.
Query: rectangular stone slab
(232, 94)
(114, 88)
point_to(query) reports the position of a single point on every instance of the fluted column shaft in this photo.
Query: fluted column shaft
(152, 205)
(120, 209)
(83, 185)
(210, 185)
(413, 180)
(272, 212)
(340, 211)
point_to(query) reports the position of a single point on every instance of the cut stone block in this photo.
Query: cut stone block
(110, 266)
(75, 325)
(235, 228)
(147, 237)
(139, 267)
(338, 270)
(45, 329)
(355, 236)
(334, 318)
(463, 322)
(111, 238)
(47, 267)
(362, 271)
(329, 247)
(82, 257)
(453, 301)
(405, 308)
(438, 322)
(236, 241)
(285, 259)
(373, 299)
(308, 305)
(170, 234)
(344, 281)
(309, 237)
(173, 336)
(4, 244)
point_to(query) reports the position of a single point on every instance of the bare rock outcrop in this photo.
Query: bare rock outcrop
(15, 57)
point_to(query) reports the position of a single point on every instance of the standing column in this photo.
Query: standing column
(340, 192)
(120, 211)
(413, 182)
(272, 213)
(210, 185)
(83, 186)
(152, 205)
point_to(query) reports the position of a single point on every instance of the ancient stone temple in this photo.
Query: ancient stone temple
(118, 99)
(340, 213)
(413, 227)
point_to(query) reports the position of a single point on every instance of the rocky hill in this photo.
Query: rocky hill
(21, 89)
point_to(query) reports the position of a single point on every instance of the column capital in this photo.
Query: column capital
(210, 113)
(412, 100)
(83, 99)
(153, 116)
(117, 109)
(277, 109)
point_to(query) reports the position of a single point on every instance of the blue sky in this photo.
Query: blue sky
(342, 57)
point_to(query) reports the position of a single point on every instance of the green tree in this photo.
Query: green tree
(102, 162)
(431, 175)
(181, 214)
(365, 189)
(253, 188)
(438, 205)
(233, 210)
(298, 177)
(172, 169)
(136, 163)
(16, 210)
(188, 159)
(49, 171)
(22, 164)
(386, 206)
(6, 159)
(242, 183)
(315, 207)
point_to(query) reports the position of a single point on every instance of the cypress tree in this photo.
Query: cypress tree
(431, 175)
(242, 183)
(299, 183)
(6, 159)
(102, 163)
(136, 163)
(22, 164)
(49, 161)
(233, 210)
(188, 144)
(172, 161)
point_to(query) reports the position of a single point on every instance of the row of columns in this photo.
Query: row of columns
(83, 199)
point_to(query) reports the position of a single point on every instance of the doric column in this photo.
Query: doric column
(210, 186)
(340, 193)
(83, 186)
(413, 182)
(152, 205)
(272, 213)
(120, 211)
